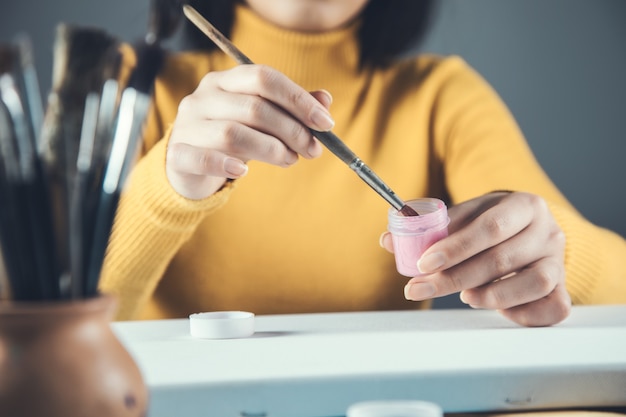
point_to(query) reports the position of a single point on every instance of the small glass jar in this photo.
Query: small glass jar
(412, 235)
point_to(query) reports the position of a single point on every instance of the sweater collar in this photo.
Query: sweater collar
(311, 60)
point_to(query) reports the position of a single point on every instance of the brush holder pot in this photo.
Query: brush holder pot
(61, 359)
(412, 235)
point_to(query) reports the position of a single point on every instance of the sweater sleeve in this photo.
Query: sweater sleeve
(482, 149)
(151, 224)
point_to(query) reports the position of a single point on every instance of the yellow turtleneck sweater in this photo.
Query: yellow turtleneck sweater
(305, 239)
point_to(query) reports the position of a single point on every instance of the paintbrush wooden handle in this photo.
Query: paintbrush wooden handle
(215, 35)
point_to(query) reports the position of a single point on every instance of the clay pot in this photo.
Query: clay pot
(63, 360)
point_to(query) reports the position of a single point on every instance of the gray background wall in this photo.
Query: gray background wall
(560, 65)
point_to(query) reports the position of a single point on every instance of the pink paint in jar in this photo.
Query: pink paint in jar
(412, 235)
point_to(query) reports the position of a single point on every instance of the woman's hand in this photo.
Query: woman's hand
(504, 251)
(251, 112)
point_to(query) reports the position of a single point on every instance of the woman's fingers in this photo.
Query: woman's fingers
(533, 249)
(504, 252)
(324, 97)
(547, 311)
(261, 115)
(481, 231)
(191, 160)
(238, 140)
(196, 173)
(248, 113)
(276, 87)
(530, 284)
(256, 98)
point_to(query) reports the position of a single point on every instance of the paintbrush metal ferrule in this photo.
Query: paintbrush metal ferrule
(366, 174)
(339, 149)
(88, 133)
(132, 112)
(104, 131)
(121, 141)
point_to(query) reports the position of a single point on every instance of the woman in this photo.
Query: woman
(234, 205)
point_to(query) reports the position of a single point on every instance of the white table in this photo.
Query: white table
(316, 365)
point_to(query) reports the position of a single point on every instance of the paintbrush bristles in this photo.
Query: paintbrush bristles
(165, 16)
(84, 58)
(407, 211)
(215, 35)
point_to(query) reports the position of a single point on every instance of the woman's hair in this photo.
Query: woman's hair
(389, 28)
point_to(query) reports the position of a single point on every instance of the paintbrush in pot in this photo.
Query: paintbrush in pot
(329, 139)
(28, 198)
(102, 142)
(78, 216)
(10, 235)
(133, 110)
(83, 59)
(11, 238)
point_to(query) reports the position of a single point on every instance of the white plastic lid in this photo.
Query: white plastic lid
(221, 324)
(392, 408)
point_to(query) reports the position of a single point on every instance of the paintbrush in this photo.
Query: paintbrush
(10, 237)
(133, 110)
(78, 210)
(83, 59)
(27, 197)
(105, 125)
(329, 139)
(10, 269)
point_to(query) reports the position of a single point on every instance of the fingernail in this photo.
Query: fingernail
(464, 298)
(430, 263)
(235, 167)
(419, 291)
(321, 119)
(328, 98)
(314, 149)
(468, 299)
(291, 158)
